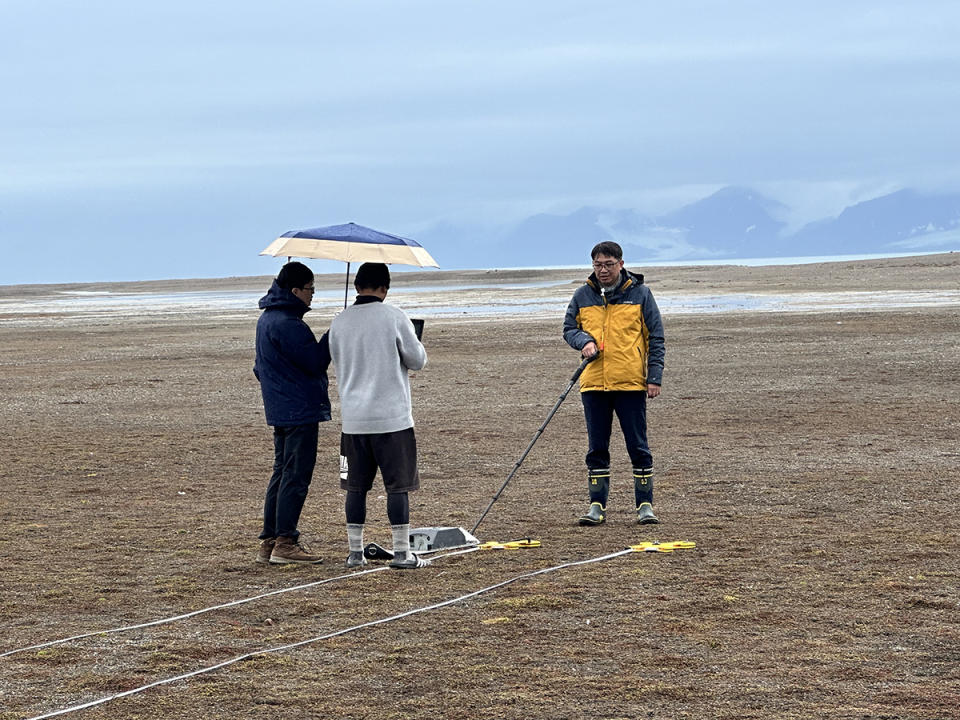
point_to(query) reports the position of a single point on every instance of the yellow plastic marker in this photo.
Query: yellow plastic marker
(520, 544)
(491, 545)
(512, 545)
(664, 547)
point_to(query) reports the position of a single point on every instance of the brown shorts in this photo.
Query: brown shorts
(394, 454)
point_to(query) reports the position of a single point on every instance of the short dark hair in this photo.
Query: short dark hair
(607, 247)
(294, 275)
(372, 276)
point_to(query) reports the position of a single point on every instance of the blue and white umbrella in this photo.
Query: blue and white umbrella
(350, 243)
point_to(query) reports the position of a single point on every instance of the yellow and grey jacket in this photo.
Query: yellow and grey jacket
(625, 324)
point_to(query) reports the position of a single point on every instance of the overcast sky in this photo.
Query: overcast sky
(177, 139)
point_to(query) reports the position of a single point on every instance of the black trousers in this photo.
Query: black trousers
(630, 407)
(294, 457)
(393, 453)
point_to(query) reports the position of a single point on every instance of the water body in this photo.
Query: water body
(670, 304)
(545, 299)
(462, 303)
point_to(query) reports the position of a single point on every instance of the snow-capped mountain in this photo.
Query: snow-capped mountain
(734, 222)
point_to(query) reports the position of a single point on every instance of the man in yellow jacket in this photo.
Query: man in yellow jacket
(615, 317)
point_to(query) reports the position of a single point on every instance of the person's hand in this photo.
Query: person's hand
(652, 390)
(589, 350)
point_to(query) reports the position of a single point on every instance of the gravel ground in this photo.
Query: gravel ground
(812, 456)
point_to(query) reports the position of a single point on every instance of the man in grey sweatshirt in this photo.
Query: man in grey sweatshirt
(373, 346)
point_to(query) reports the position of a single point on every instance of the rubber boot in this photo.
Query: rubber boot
(599, 485)
(643, 492)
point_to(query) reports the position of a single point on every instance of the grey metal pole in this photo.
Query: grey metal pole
(563, 396)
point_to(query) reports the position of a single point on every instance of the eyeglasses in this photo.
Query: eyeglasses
(308, 288)
(605, 265)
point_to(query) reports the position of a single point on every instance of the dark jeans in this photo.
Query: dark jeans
(631, 409)
(294, 457)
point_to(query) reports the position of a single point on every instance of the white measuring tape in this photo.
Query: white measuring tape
(281, 648)
(194, 613)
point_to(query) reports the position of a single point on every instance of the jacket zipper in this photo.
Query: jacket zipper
(606, 316)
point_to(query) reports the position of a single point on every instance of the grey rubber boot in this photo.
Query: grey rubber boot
(599, 486)
(643, 493)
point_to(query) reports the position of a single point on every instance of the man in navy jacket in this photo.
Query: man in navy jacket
(292, 369)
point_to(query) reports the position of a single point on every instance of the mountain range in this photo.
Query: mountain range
(732, 223)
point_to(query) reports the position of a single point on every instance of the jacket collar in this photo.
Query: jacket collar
(364, 299)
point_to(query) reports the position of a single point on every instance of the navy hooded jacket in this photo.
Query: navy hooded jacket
(291, 365)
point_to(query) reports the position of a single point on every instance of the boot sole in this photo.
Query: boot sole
(588, 522)
(648, 521)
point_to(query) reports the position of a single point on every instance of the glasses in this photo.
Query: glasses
(605, 265)
(308, 288)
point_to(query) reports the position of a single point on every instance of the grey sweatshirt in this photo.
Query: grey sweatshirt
(373, 345)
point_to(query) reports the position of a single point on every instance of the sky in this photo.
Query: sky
(147, 140)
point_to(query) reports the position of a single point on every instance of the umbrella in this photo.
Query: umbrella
(350, 243)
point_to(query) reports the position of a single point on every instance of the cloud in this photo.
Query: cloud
(317, 112)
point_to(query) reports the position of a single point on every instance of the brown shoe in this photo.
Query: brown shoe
(266, 547)
(289, 550)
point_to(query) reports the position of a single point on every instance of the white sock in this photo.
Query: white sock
(355, 536)
(401, 539)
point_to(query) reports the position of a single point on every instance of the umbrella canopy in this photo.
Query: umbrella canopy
(350, 243)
